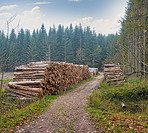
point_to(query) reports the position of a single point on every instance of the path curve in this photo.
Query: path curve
(67, 113)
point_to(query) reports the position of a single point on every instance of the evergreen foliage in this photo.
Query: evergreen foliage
(76, 45)
(133, 39)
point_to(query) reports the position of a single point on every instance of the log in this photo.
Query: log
(29, 69)
(112, 70)
(26, 83)
(38, 66)
(29, 77)
(12, 94)
(113, 73)
(23, 93)
(112, 76)
(114, 80)
(31, 84)
(28, 73)
(15, 96)
(26, 88)
(111, 65)
(21, 80)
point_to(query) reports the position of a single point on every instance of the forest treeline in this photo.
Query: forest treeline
(132, 42)
(81, 45)
(74, 45)
(131, 48)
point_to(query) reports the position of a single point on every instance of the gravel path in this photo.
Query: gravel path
(67, 113)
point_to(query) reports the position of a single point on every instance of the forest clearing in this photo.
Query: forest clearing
(87, 73)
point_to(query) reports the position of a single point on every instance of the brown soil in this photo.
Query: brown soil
(67, 113)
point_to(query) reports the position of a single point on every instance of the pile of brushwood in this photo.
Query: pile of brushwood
(121, 109)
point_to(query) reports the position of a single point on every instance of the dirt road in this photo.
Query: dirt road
(67, 113)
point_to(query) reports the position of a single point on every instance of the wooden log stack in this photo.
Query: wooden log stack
(27, 81)
(59, 76)
(113, 74)
(33, 71)
(25, 90)
(44, 78)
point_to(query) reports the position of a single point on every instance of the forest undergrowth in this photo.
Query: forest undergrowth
(122, 108)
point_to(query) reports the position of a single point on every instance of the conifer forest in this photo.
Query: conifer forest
(81, 45)
(71, 45)
(98, 79)
(133, 39)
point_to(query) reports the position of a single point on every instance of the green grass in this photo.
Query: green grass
(106, 110)
(8, 80)
(4, 91)
(14, 117)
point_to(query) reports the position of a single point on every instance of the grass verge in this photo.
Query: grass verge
(105, 107)
(17, 117)
(14, 117)
(8, 80)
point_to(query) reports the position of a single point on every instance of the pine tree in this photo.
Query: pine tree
(42, 44)
(60, 48)
(10, 61)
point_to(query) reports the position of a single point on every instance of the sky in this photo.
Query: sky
(101, 15)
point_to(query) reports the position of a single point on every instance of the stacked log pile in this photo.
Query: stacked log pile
(25, 90)
(113, 73)
(30, 72)
(59, 76)
(27, 79)
(93, 71)
(41, 78)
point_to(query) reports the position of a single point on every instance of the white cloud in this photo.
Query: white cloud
(86, 19)
(31, 19)
(5, 15)
(104, 26)
(41, 3)
(9, 7)
(74, 0)
(34, 18)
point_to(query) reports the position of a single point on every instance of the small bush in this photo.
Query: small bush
(132, 92)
